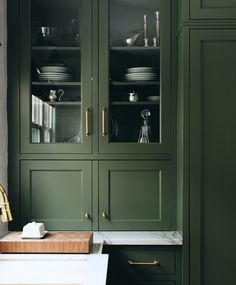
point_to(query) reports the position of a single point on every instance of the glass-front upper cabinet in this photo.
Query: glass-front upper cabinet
(56, 76)
(134, 94)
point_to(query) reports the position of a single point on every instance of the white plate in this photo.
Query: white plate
(140, 69)
(60, 77)
(54, 69)
(153, 98)
(35, 237)
(140, 77)
(54, 73)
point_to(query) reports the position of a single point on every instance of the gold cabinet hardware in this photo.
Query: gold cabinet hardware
(104, 215)
(87, 216)
(155, 263)
(87, 133)
(103, 121)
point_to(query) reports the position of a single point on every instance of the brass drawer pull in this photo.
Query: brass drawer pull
(155, 263)
(103, 121)
(87, 133)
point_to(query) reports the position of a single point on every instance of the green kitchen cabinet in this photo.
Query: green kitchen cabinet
(143, 68)
(139, 265)
(92, 105)
(84, 88)
(135, 195)
(208, 161)
(55, 76)
(207, 10)
(57, 193)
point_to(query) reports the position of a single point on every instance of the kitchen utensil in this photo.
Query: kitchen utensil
(133, 96)
(145, 131)
(145, 30)
(53, 95)
(132, 40)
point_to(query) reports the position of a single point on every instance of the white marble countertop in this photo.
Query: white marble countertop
(137, 238)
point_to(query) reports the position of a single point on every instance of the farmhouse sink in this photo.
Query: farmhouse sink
(46, 269)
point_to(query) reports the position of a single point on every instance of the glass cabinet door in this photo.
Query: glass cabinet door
(134, 76)
(56, 75)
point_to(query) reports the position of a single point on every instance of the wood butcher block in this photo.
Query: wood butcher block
(53, 242)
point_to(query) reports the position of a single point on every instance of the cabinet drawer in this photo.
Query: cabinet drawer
(146, 261)
(168, 272)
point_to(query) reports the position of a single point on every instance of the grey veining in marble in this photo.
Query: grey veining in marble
(139, 238)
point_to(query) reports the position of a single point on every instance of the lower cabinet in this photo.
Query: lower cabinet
(129, 195)
(139, 265)
(134, 195)
(57, 193)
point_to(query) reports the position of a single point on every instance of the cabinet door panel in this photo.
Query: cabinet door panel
(212, 9)
(134, 195)
(56, 193)
(55, 76)
(213, 159)
(134, 89)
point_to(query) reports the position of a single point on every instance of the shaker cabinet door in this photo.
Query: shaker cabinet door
(134, 195)
(57, 193)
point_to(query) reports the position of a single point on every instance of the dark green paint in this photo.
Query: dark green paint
(212, 9)
(169, 271)
(212, 160)
(135, 195)
(57, 193)
(183, 148)
(104, 51)
(25, 90)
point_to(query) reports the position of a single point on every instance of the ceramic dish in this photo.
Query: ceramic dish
(34, 237)
(153, 98)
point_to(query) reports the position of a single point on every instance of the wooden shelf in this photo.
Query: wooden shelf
(61, 83)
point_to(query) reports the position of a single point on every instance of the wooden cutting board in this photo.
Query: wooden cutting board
(53, 242)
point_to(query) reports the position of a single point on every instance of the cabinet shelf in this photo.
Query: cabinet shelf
(135, 49)
(117, 103)
(59, 48)
(61, 83)
(133, 83)
(64, 103)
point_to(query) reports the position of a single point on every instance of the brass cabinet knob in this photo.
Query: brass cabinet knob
(104, 215)
(87, 216)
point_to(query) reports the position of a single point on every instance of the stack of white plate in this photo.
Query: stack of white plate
(54, 72)
(142, 73)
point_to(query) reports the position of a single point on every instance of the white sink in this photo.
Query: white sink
(48, 269)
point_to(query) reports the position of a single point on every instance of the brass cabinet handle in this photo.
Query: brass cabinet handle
(104, 215)
(87, 216)
(87, 133)
(103, 121)
(155, 263)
